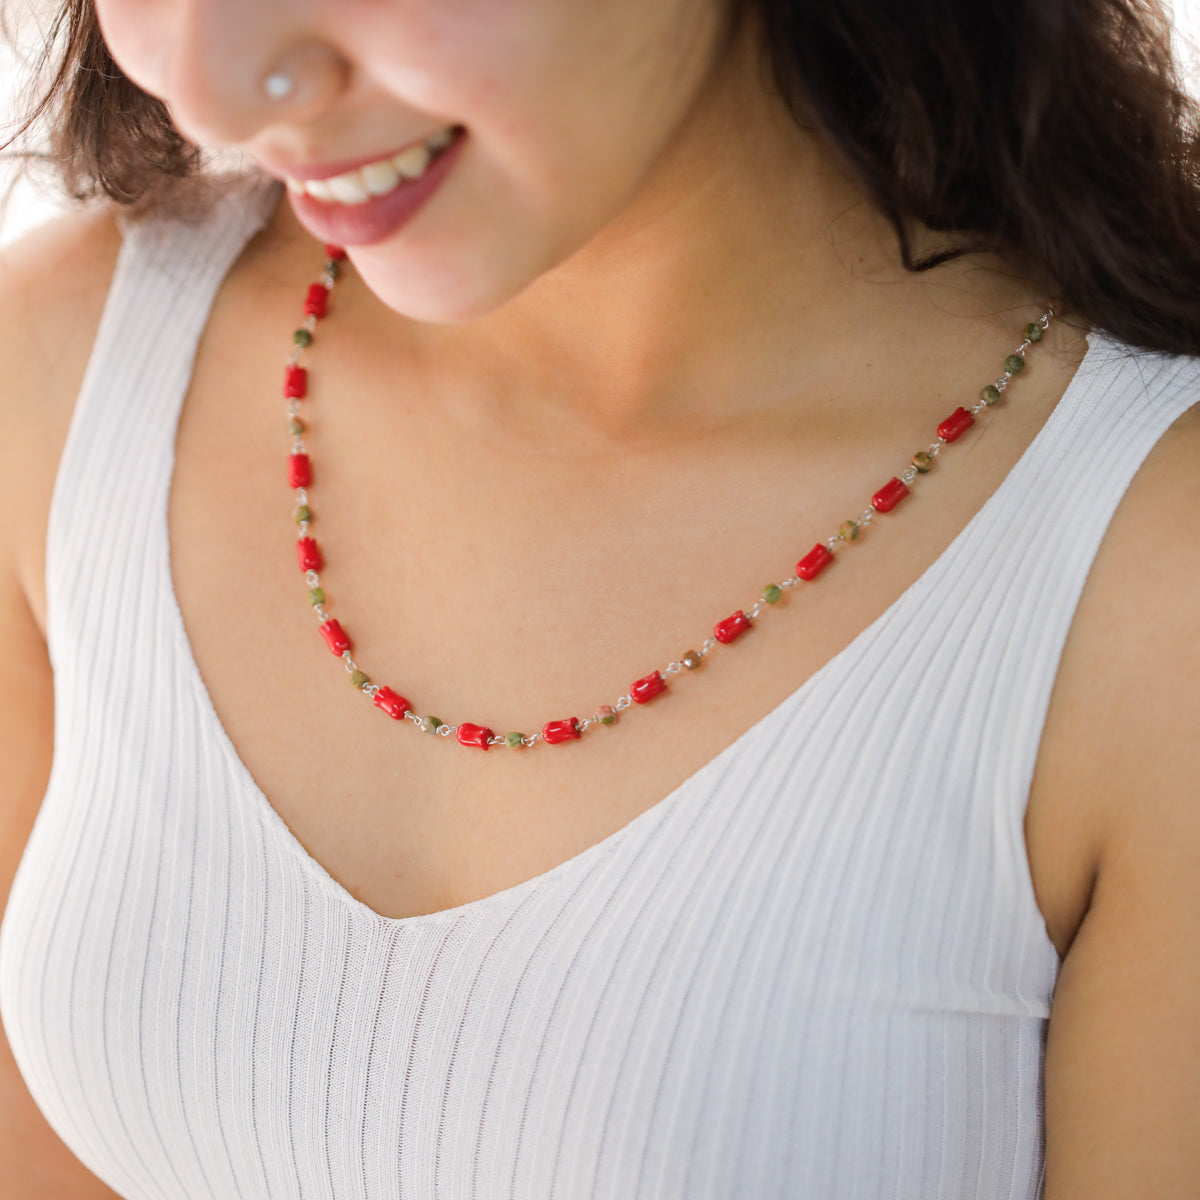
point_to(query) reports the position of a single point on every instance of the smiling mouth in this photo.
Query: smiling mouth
(381, 177)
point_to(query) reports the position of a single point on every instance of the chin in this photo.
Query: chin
(439, 287)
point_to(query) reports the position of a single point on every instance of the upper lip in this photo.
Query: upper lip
(327, 170)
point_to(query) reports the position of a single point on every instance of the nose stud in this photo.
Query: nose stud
(278, 85)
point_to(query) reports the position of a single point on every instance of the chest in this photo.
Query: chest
(765, 976)
(510, 593)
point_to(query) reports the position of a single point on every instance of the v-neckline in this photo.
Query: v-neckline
(844, 660)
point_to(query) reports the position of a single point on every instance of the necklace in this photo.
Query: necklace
(645, 689)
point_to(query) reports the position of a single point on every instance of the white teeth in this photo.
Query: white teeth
(377, 178)
(349, 189)
(380, 178)
(411, 163)
(319, 188)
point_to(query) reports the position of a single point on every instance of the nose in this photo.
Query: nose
(225, 63)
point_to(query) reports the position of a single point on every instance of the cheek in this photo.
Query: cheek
(473, 61)
(564, 136)
(135, 32)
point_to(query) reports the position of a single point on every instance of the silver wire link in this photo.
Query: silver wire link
(623, 702)
(312, 579)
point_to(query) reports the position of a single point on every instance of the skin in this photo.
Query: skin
(646, 330)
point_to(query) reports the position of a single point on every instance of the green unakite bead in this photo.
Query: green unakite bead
(1033, 331)
(691, 659)
(513, 740)
(302, 337)
(772, 592)
(1014, 364)
(333, 268)
(848, 530)
(923, 461)
(316, 596)
(296, 427)
(990, 394)
(302, 513)
(358, 679)
(433, 724)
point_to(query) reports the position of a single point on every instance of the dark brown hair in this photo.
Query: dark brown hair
(1054, 132)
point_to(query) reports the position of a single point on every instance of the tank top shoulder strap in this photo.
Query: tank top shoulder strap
(1017, 585)
(121, 439)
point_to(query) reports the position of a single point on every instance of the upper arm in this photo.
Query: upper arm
(55, 282)
(1123, 1052)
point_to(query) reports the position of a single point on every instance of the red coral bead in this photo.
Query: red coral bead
(474, 735)
(391, 702)
(814, 562)
(889, 495)
(299, 470)
(314, 302)
(956, 424)
(554, 732)
(295, 382)
(731, 627)
(648, 687)
(337, 253)
(333, 633)
(309, 555)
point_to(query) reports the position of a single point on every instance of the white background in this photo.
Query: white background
(30, 206)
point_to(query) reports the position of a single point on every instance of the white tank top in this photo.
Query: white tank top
(815, 970)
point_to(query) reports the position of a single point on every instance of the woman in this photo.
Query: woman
(644, 303)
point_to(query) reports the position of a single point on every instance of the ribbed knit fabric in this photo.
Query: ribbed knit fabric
(815, 970)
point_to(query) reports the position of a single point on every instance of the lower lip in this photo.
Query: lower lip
(379, 217)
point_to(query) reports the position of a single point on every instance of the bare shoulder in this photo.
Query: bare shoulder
(1135, 669)
(1114, 838)
(57, 276)
(56, 280)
